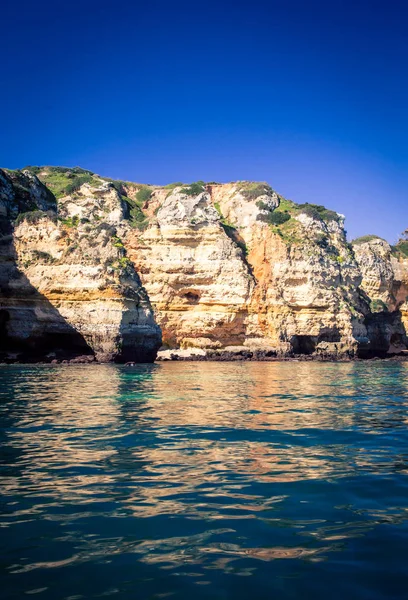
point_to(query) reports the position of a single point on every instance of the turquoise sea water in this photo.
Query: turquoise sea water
(205, 480)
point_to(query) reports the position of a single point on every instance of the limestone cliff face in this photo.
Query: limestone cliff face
(197, 277)
(385, 281)
(306, 296)
(232, 267)
(220, 276)
(66, 285)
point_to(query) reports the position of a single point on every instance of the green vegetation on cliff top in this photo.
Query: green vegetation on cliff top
(194, 189)
(65, 180)
(400, 250)
(367, 238)
(251, 190)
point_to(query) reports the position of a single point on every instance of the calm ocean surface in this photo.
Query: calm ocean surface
(205, 480)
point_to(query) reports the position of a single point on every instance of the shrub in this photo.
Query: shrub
(378, 306)
(138, 219)
(401, 248)
(194, 189)
(141, 225)
(136, 214)
(42, 256)
(32, 169)
(171, 186)
(118, 185)
(64, 170)
(262, 206)
(143, 195)
(318, 212)
(310, 210)
(252, 190)
(76, 183)
(124, 262)
(70, 221)
(34, 216)
(275, 218)
(117, 242)
(218, 208)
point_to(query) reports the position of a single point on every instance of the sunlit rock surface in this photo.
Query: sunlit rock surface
(67, 287)
(101, 267)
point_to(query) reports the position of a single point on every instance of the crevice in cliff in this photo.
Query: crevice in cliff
(234, 236)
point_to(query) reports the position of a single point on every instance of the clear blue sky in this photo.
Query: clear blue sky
(311, 96)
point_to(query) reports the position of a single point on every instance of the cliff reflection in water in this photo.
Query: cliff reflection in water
(265, 422)
(202, 464)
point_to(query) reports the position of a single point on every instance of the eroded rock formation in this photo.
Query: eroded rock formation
(385, 281)
(231, 268)
(67, 287)
(220, 276)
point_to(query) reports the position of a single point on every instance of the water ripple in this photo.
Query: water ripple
(223, 480)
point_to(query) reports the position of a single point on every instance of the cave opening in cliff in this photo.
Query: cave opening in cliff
(303, 344)
(192, 297)
(4, 318)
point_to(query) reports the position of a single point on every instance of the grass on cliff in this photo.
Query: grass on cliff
(366, 238)
(318, 212)
(70, 221)
(194, 189)
(400, 250)
(136, 216)
(315, 211)
(251, 190)
(278, 216)
(272, 217)
(172, 186)
(63, 181)
(34, 216)
(283, 223)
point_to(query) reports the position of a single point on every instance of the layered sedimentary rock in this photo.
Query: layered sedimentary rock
(220, 276)
(385, 281)
(197, 277)
(67, 287)
(219, 267)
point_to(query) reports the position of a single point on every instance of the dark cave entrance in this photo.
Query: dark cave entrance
(65, 343)
(4, 319)
(192, 297)
(303, 344)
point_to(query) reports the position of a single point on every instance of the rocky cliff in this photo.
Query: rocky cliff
(228, 268)
(67, 287)
(237, 267)
(385, 281)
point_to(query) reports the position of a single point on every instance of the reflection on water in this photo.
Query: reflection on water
(220, 480)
